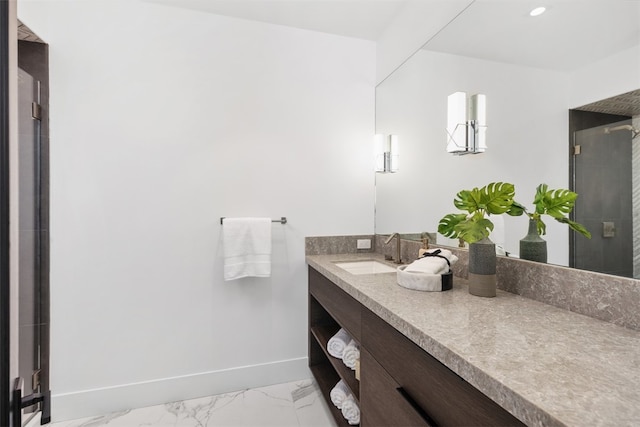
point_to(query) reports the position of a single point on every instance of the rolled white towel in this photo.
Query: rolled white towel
(338, 342)
(339, 393)
(433, 264)
(419, 281)
(351, 355)
(350, 410)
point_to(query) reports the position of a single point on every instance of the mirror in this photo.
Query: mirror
(533, 70)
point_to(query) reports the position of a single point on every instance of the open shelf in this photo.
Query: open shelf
(326, 369)
(326, 377)
(322, 334)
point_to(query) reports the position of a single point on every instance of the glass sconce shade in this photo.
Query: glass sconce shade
(466, 125)
(385, 153)
(378, 152)
(456, 122)
(478, 114)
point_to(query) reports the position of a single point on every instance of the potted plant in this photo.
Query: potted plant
(558, 204)
(474, 227)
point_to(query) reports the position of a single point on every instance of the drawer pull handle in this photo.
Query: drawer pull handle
(423, 414)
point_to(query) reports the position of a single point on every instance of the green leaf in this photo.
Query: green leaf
(575, 226)
(474, 230)
(541, 226)
(516, 209)
(538, 200)
(468, 200)
(447, 225)
(497, 197)
(560, 202)
(555, 203)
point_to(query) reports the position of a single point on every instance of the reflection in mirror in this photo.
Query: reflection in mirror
(466, 123)
(533, 71)
(602, 166)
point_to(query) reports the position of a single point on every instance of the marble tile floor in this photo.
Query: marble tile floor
(296, 404)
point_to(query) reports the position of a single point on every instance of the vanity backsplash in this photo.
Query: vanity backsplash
(612, 299)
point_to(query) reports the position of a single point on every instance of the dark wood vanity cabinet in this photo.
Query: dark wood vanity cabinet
(383, 401)
(400, 383)
(331, 308)
(441, 396)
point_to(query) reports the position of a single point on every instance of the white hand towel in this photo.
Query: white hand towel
(338, 342)
(339, 393)
(247, 247)
(433, 264)
(351, 355)
(350, 410)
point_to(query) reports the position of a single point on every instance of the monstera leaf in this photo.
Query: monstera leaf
(516, 209)
(474, 230)
(557, 204)
(470, 228)
(495, 198)
(575, 226)
(467, 200)
(541, 226)
(447, 225)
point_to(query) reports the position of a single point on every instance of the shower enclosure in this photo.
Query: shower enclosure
(33, 300)
(24, 231)
(604, 161)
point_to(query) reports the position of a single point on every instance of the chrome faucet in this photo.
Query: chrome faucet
(398, 259)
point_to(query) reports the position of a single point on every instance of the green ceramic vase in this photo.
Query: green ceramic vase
(532, 246)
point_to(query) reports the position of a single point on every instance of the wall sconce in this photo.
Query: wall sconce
(385, 152)
(466, 127)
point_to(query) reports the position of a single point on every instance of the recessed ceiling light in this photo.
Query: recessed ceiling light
(537, 11)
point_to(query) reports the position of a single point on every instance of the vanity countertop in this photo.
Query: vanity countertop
(545, 365)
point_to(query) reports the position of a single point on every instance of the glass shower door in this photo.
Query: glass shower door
(30, 228)
(603, 181)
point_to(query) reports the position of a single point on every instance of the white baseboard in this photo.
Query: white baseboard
(101, 401)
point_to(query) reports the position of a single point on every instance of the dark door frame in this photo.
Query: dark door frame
(4, 216)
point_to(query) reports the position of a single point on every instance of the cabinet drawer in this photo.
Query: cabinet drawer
(382, 401)
(445, 397)
(340, 305)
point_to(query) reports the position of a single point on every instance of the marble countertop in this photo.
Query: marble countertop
(545, 365)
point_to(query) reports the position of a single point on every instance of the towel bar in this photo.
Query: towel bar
(282, 220)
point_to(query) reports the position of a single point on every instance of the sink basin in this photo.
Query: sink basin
(365, 267)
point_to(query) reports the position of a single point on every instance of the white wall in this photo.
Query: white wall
(164, 120)
(526, 137)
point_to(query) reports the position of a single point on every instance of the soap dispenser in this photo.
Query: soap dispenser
(424, 248)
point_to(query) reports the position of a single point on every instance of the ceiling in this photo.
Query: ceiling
(569, 35)
(364, 19)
